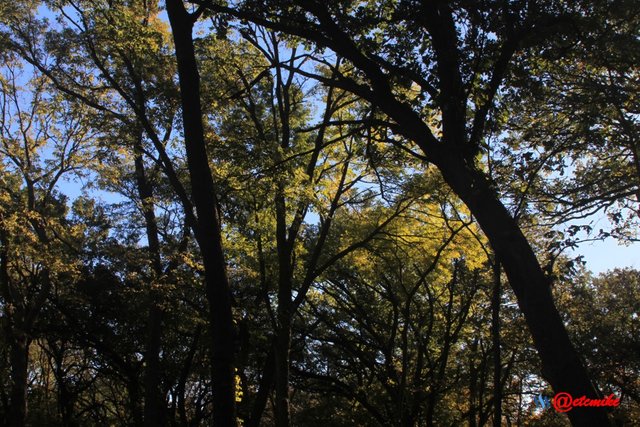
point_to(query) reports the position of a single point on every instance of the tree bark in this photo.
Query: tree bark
(207, 230)
(473, 385)
(283, 345)
(66, 396)
(184, 376)
(135, 409)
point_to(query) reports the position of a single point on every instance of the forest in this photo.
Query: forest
(318, 213)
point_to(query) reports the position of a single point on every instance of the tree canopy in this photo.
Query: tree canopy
(316, 213)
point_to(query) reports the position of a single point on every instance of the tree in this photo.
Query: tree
(387, 330)
(320, 169)
(395, 344)
(576, 127)
(455, 57)
(39, 146)
(142, 97)
(208, 228)
(277, 166)
(604, 318)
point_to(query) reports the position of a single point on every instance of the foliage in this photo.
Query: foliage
(366, 288)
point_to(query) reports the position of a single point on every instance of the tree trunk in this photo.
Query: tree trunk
(19, 357)
(66, 397)
(133, 388)
(495, 338)
(207, 230)
(284, 314)
(473, 385)
(266, 384)
(18, 342)
(65, 405)
(561, 365)
(184, 376)
(283, 345)
(154, 402)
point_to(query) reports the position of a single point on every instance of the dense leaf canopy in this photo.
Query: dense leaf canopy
(316, 213)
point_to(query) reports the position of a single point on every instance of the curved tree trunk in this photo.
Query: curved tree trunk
(561, 364)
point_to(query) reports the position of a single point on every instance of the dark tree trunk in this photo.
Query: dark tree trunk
(495, 338)
(283, 345)
(473, 385)
(184, 376)
(207, 230)
(65, 404)
(135, 409)
(266, 384)
(562, 366)
(19, 357)
(18, 342)
(284, 315)
(154, 402)
(454, 154)
(66, 397)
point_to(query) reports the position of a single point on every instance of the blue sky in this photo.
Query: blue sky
(602, 256)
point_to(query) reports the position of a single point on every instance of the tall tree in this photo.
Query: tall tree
(279, 167)
(40, 145)
(604, 316)
(208, 228)
(138, 96)
(387, 330)
(306, 157)
(454, 57)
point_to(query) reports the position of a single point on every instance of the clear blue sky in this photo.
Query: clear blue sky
(607, 255)
(601, 256)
